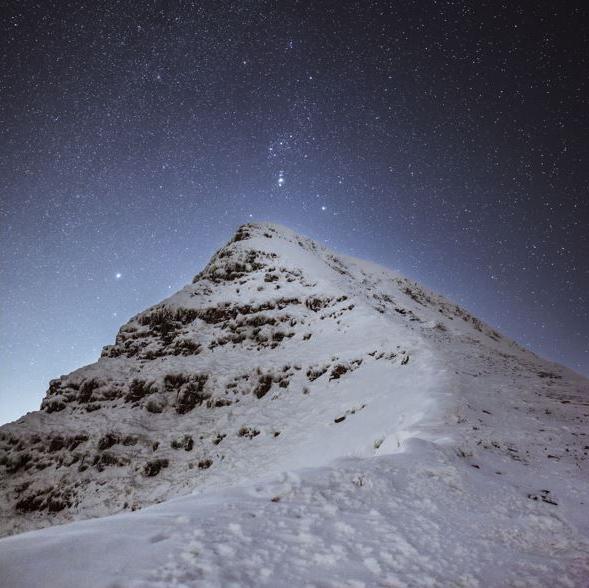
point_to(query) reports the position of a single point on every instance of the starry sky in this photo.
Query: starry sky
(444, 139)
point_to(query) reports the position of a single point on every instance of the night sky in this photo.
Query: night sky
(447, 140)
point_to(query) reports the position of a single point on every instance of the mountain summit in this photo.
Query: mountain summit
(390, 402)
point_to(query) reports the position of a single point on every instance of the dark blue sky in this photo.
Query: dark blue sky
(447, 140)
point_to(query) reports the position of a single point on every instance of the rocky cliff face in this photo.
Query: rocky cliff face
(280, 355)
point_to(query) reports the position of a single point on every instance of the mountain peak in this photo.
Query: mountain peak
(267, 230)
(282, 354)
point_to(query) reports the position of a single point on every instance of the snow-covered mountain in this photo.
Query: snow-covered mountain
(421, 447)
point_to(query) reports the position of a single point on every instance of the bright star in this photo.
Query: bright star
(118, 275)
(324, 208)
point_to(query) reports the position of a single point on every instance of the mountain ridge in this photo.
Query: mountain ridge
(281, 355)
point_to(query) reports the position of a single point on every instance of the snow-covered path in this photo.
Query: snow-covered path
(421, 517)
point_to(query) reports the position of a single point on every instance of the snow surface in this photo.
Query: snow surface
(461, 460)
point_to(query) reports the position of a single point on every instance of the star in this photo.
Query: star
(118, 275)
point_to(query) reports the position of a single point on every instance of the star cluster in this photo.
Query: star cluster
(446, 139)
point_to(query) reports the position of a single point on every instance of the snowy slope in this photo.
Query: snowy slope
(423, 448)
